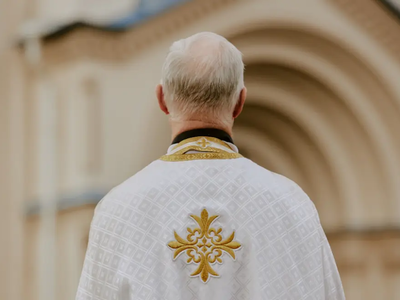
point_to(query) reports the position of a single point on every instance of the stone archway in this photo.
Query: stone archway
(312, 106)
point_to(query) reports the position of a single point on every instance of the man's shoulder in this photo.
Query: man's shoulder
(275, 186)
(133, 188)
(267, 177)
(140, 179)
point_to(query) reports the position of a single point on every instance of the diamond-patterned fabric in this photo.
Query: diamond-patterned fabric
(284, 253)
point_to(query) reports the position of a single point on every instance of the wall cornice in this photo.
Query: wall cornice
(87, 42)
(68, 201)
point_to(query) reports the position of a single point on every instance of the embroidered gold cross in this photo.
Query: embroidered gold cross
(203, 143)
(204, 246)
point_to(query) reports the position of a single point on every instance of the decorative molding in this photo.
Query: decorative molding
(68, 201)
(88, 42)
(364, 232)
(82, 41)
(375, 18)
(138, 12)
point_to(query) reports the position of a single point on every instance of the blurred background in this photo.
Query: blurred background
(78, 116)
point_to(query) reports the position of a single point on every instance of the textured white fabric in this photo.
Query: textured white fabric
(284, 253)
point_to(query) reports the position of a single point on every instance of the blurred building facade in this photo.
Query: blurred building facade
(78, 116)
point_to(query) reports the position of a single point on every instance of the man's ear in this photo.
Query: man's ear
(160, 98)
(239, 105)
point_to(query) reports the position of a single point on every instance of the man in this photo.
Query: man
(203, 222)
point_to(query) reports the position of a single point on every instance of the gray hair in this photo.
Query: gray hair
(202, 74)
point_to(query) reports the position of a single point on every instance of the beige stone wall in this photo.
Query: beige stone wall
(12, 120)
(323, 109)
(71, 242)
(369, 263)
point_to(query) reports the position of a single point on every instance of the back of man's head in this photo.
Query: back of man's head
(202, 75)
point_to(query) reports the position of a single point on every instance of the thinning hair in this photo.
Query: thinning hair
(202, 74)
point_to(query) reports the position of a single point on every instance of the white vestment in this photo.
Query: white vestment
(204, 223)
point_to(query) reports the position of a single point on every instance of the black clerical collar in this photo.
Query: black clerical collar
(210, 132)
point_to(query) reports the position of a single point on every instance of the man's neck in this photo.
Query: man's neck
(179, 127)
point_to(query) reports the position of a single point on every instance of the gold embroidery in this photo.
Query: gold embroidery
(198, 138)
(197, 148)
(196, 156)
(204, 246)
(203, 143)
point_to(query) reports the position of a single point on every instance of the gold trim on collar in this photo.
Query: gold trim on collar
(197, 156)
(199, 138)
(199, 148)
